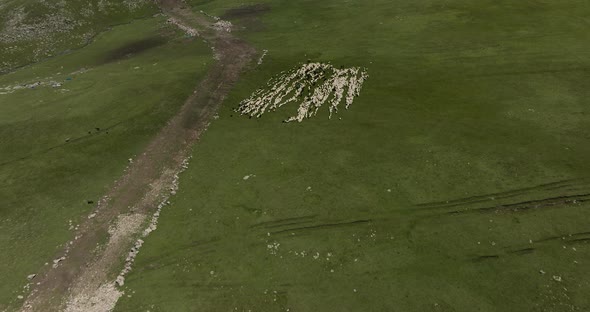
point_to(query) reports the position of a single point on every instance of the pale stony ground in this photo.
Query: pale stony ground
(56, 81)
(85, 296)
(37, 37)
(190, 31)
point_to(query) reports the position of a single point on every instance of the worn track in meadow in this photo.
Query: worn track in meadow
(76, 282)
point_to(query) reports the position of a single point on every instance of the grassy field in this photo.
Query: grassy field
(457, 181)
(63, 147)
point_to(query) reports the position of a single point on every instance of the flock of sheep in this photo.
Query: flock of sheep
(316, 83)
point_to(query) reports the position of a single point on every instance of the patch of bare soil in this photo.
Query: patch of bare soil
(81, 279)
(84, 295)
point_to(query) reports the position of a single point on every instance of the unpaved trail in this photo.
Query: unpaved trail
(84, 279)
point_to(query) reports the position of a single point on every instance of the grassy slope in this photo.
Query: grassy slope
(93, 19)
(465, 98)
(44, 181)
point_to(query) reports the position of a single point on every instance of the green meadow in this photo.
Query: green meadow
(63, 147)
(457, 181)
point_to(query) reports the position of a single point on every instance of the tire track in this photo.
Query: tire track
(530, 204)
(563, 185)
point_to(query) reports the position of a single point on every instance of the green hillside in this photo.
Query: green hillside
(457, 179)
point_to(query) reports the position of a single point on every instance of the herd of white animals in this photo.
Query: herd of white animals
(315, 83)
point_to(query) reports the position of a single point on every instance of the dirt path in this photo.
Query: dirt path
(84, 278)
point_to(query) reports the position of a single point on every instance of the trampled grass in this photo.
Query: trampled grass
(62, 147)
(478, 103)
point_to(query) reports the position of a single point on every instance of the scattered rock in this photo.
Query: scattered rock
(191, 32)
(222, 25)
(261, 59)
(120, 281)
(57, 261)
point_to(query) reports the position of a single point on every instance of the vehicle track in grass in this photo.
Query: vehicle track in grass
(84, 281)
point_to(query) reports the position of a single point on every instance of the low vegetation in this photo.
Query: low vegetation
(35, 30)
(458, 180)
(454, 182)
(68, 126)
